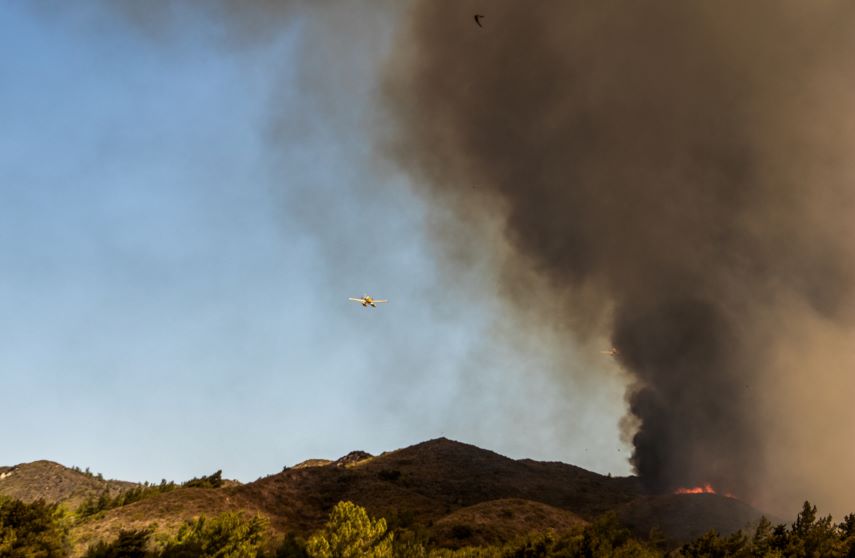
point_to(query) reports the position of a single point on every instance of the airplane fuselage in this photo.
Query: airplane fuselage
(366, 301)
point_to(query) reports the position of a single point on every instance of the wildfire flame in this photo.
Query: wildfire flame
(705, 489)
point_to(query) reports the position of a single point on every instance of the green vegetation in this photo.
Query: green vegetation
(292, 547)
(807, 537)
(229, 535)
(88, 473)
(604, 537)
(36, 530)
(41, 530)
(129, 544)
(103, 502)
(211, 481)
(350, 533)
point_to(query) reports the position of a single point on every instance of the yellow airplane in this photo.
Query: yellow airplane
(613, 352)
(368, 301)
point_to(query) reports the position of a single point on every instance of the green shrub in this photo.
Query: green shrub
(35, 530)
(229, 535)
(291, 547)
(214, 480)
(350, 533)
(129, 544)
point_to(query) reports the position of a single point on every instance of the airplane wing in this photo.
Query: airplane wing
(355, 299)
(379, 301)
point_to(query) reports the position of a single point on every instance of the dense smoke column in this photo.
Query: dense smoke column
(690, 396)
(654, 152)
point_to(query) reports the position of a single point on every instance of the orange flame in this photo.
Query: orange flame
(705, 489)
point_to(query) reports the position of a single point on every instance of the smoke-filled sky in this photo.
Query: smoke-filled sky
(682, 171)
(187, 199)
(189, 194)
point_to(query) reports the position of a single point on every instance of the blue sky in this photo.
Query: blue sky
(183, 214)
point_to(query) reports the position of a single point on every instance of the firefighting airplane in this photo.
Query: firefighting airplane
(368, 301)
(613, 352)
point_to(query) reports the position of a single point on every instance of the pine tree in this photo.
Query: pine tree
(350, 533)
(36, 529)
(229, 535)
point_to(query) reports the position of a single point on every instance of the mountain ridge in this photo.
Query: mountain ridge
(436, 484)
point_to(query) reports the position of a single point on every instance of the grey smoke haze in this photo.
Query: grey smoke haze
(685, 169)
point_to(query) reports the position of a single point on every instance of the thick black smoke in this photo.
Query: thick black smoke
(687, 161)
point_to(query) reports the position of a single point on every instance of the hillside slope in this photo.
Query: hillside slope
(683, 517)
(456, 492)
(55, 483)
(500, 521)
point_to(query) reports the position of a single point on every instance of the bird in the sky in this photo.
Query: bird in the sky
(478, 19)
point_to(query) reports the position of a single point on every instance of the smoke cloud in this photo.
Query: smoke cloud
(682, 167)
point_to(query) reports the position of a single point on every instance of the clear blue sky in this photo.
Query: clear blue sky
(184, 211)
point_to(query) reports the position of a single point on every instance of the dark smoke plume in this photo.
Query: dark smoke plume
(689, 162)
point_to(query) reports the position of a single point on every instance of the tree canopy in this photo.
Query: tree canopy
(351, 533)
